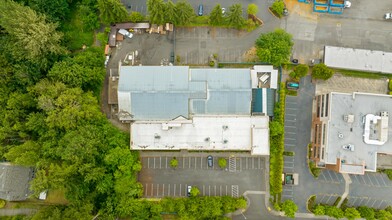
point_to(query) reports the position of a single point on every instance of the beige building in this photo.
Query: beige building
(349, 130)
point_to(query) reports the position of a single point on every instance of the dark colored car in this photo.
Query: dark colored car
(210, 161)
(200, 10)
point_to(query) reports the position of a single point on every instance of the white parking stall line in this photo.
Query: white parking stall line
(329, 197)
(259, 163)
(322, 199)
(174, 189)
(374, 203)
(189, 160)
(146, 189)
(220, 190)
(288, 132)
(160, 162)
(353, 202)
(166, 162)
(330, 175)
(253, 163)
(370, 180)
(201, 163)
(148, 162)
(152, 189)
(209, 190)
(246, 163)
(376, 178)
(180, 190)
(363, 179)
(226, 190)
(291, 114)
(287, 138)
(163, 190)
(288, 126)
(214, 190)
(368, 200)
(382, 177)
(183, 162)
(157, 189)
(168, 193)
(361, 201)
(154, 162)
(290, 145)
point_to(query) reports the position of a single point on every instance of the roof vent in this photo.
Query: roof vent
(225, 141)
(225, 127)
(207, 139)
(340, 135)
(157, 136)
(348, 118)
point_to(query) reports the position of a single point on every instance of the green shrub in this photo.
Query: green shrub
(277, 206)
(311, 202)
(212, 63)
(174, 162)
(321, 71)
(334, 211)
(315, 171)
(278, 7)
(222, 163)
(319, 210)
(289, 153)
(351, 213)
(390, 84)
(366, 212)
(2, 203)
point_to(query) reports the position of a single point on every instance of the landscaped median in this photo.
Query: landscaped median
(277, 146)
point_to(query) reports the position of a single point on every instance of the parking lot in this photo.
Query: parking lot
(330, 176)
(159, 179)
(372, 180)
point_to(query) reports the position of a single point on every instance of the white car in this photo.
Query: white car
(347, 4)
(125, 33)
(388, 16)
(223, 11)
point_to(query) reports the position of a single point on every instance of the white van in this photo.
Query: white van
(125, 33)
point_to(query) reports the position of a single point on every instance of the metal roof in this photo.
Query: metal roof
(14, 182)
(165, 92)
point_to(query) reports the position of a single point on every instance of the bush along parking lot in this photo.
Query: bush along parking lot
(277, 146)
(349, 212)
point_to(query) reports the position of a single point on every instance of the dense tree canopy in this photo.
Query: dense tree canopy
(55, 10)
(234, 16)
(156, 10)
(289, 208)
(321, 71)
(216, 16)
(184, 12)
(274, 47)
(112, 11)
(31, 37)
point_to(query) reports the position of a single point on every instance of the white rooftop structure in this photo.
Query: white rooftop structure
(267, 73)
(249, 133)
(358, 59)
(359, 120)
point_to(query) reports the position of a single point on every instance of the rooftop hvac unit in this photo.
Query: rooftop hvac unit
(207, 139)
(225, 141)
(348, 118)
(157, 136)
(225, 127)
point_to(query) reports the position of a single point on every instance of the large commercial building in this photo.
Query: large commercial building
(349, 130)
(176, 107)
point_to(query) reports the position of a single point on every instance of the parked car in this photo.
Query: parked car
(292, 85)
(388, 16)
(210, 161)
(223, 11)
(188, 191)
(125, 33)
(347, 4)
(200, 10)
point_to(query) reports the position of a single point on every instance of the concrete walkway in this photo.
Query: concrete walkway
(347, 181)
(13, 212)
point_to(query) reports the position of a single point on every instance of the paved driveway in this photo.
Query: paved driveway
(243, 173)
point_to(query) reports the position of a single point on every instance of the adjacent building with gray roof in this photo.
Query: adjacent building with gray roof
(14, 182)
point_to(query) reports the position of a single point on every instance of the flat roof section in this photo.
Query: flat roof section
(342, 132)
(204, 133)
(358, 59)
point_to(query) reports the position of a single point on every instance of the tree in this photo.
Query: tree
(321, 71)
(171, 12)
(299, 71)
(136, 17)
(252, 9)
(274, 47)
(89, 18)
(222, 162)
(289, 208)
(216, 16)
(33, 38)
(276, 128)
(319, 210)
(195, 191)
(278, 7)
(112, 11)
(234, 16)
(366, 212)
(351, 213)
(334, 211)
(383, 215)
(156, 10)
(184, 12)
(55, 10)
(174, 162)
